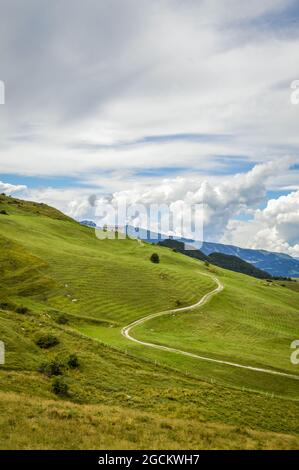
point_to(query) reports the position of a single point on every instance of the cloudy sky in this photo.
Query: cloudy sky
(156, 101)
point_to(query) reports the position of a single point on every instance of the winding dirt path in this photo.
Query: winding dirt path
(126, 332)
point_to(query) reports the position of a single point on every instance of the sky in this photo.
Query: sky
(158, 101)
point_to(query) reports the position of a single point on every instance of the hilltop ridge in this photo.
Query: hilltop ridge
(13, 205)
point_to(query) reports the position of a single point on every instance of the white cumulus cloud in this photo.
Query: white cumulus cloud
(274, 228)
(222, 199)
(11, 188)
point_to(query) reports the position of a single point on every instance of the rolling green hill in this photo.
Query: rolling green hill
(59, 279)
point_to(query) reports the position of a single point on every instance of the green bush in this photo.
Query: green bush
(22, 310)
(59, 387)
(51, 368)
(155, 258)
(7, 306)
(47, 341)
(73, 361)
(62, 319)
(3, 212)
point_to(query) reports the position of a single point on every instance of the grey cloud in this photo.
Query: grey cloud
(62, 60)
(102, 75)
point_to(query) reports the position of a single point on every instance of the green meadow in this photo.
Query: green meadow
(59, 280)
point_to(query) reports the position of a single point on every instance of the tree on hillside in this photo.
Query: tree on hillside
(155, 258)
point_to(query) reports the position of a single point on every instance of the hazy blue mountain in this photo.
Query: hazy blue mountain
(89, 223)
(277, 264)
(231, 262)
(237, 264)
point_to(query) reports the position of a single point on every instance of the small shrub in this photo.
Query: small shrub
(178, 303)
(62, 319)
(164, 425)
(59, 387)
(47, 341)
(73, 361)
(50, 368)
(155, 258)
(207, 264)
(22, 310)
(3, 212)
(7, 306)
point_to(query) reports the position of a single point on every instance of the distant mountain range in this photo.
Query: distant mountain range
(88, 223)
(276, 264)
(231, 262)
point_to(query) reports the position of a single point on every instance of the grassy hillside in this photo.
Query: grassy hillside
(250, 322)
(100, 278)
(58, 279)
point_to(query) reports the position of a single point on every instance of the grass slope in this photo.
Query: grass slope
(251, 322)
(139, 398)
